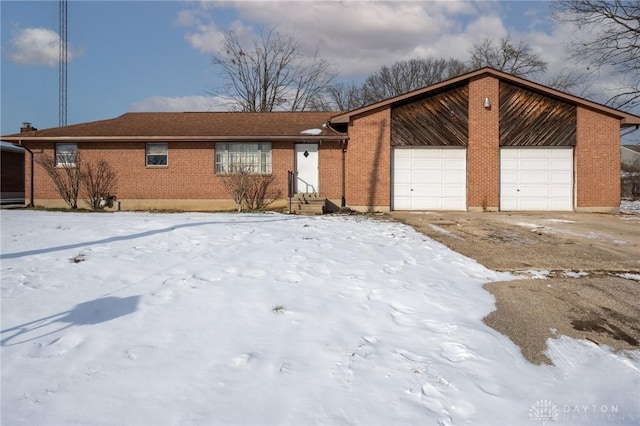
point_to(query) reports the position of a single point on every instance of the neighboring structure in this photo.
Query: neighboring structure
(485, 140)
(630, 157)
(11, 173)
(630, 177)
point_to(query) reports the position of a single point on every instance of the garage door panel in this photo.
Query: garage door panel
(450, 204)
(403, 190)
(454, 192)
(560, 178)
(533, 178)
(559, 192)
(403, 203)
(451, 164)
(560, 164)
(532, 165)
(533, 191)
(403, 176)
(402, 153)
(427, 163)
(558, 204)
(532, 203)
(430, 177)
(403, 164)
(509, 178)
(436, 180)
(456, 179)
(536, 179)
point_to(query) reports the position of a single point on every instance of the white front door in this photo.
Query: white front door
(536, 179)
(307, 168)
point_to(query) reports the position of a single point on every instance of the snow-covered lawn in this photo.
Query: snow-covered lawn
(206, 319)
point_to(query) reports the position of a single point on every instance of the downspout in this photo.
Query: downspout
(31, 173)
(343, 146)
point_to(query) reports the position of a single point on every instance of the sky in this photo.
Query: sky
(156, 55)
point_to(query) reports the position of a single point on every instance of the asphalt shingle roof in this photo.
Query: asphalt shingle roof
(193, 124)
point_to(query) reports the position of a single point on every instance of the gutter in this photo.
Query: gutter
(205, 138)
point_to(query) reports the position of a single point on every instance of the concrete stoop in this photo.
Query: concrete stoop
(308, 204)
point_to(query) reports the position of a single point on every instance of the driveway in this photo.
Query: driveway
(590, 264)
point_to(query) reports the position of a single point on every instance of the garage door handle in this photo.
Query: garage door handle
(411, 189)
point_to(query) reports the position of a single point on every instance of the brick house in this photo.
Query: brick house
(485, 140)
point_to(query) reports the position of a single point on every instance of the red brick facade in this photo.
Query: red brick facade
(483, 151)
(597, 162)
(368, 162)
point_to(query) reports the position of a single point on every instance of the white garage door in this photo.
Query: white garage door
(429, 179)
(536, 179)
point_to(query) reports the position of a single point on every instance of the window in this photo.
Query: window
(66, 154)
(255, 157)
(157, 154)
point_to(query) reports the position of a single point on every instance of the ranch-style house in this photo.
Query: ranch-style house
(482, 141)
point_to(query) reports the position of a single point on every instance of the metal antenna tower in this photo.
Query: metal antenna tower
(62, 69)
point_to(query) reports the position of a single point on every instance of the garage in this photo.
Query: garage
(429, 178)
(536, 179)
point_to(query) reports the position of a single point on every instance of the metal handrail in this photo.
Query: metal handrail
(307, 184)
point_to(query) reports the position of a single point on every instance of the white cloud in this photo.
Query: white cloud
(358, 37)
(181, 103)
(38, 46)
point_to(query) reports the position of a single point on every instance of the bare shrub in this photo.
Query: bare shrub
(99, 182)
(236, 183)
(261, 192)
(66, 175)
(248, 189)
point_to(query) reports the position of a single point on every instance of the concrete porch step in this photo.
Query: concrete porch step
(308, 204)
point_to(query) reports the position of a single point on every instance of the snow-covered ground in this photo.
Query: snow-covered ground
(251, 319)
(630, 207)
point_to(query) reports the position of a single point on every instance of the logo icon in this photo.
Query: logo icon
(543, 410)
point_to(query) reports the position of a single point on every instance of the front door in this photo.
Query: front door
(307, 168)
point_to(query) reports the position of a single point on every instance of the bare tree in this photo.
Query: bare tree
(572, 81)
(613, 41)
(405, 76)
(99, 183)
(66, 174)
(273, 74)
(340, 97)
(517, 59)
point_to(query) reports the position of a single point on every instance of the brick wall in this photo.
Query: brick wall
(597, 168)
(330, 170)
(368, 162)
(189, 175)
(483, 153)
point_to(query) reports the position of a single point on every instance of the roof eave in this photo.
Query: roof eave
(287, 138)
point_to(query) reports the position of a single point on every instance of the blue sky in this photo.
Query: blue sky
(156, 56)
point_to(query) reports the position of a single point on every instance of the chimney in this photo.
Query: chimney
(26, 127)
